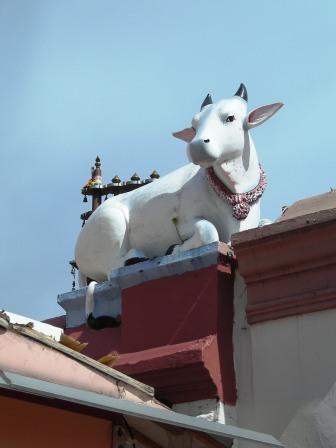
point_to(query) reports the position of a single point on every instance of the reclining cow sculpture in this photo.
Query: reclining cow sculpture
(202, 202)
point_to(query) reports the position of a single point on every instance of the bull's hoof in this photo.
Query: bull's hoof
(98, 323)
(170, 249)
(135, 260)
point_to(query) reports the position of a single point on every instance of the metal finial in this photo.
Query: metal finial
(135, 178)
(155, 175)
(98, 164)
(116, 180)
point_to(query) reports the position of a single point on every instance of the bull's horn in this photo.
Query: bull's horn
(242, 92)
(208, 100)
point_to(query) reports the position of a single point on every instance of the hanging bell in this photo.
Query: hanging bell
(85, 199)
(73, 285)
(105, 198)
(83, 223)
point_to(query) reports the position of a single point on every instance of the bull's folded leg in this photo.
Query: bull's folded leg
(204, 232)
(170, 249)
(135, 260)
(97, 323)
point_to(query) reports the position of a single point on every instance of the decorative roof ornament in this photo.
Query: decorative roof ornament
(155, 175)
(135, 178)
(96, 180)
(116, 180)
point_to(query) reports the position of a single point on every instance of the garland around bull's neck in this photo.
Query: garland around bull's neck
(240, 182)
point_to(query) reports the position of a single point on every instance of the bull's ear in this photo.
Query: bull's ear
(260, 115)
(186, 135)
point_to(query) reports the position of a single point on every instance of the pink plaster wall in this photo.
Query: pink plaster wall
(22, 355)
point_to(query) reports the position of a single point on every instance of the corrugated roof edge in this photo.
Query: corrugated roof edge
(48, 341)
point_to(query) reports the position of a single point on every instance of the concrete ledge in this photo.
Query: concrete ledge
(107, 303)
(178, 372)
(108, 294)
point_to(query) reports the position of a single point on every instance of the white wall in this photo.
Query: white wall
(281, 365)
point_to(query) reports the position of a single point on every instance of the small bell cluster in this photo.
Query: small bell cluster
(95, 187)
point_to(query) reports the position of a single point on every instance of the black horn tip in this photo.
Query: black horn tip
(242, 92)
(208, 100)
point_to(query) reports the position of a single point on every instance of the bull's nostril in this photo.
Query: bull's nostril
(206, 140)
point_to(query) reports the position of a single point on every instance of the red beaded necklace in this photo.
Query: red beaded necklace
(241, 202)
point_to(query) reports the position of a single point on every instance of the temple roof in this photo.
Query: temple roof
(34, 353)
(37, 367)
(325, 201)
(305, 214)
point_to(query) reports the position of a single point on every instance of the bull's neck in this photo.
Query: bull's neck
(242, 173)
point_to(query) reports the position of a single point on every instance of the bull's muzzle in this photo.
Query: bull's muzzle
(202, 152)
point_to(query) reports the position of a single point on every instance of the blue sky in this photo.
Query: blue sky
(81, 78)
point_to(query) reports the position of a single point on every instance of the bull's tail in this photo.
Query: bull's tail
(97, 323)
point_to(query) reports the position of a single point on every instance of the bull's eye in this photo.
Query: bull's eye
(230, 118)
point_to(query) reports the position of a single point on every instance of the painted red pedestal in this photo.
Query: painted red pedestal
(176, 335)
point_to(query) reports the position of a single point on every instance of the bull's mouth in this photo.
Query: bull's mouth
(205, 163)
(202, 156)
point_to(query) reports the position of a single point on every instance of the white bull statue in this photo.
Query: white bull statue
(215, 195)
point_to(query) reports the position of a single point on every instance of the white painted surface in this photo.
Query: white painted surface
(242, 357)
(314, 425)
(211, 409)
(325, 418)
(284, 369)
(302, 432)
(265, 222)
(47, 329)
(181, 208)
(294, 363)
